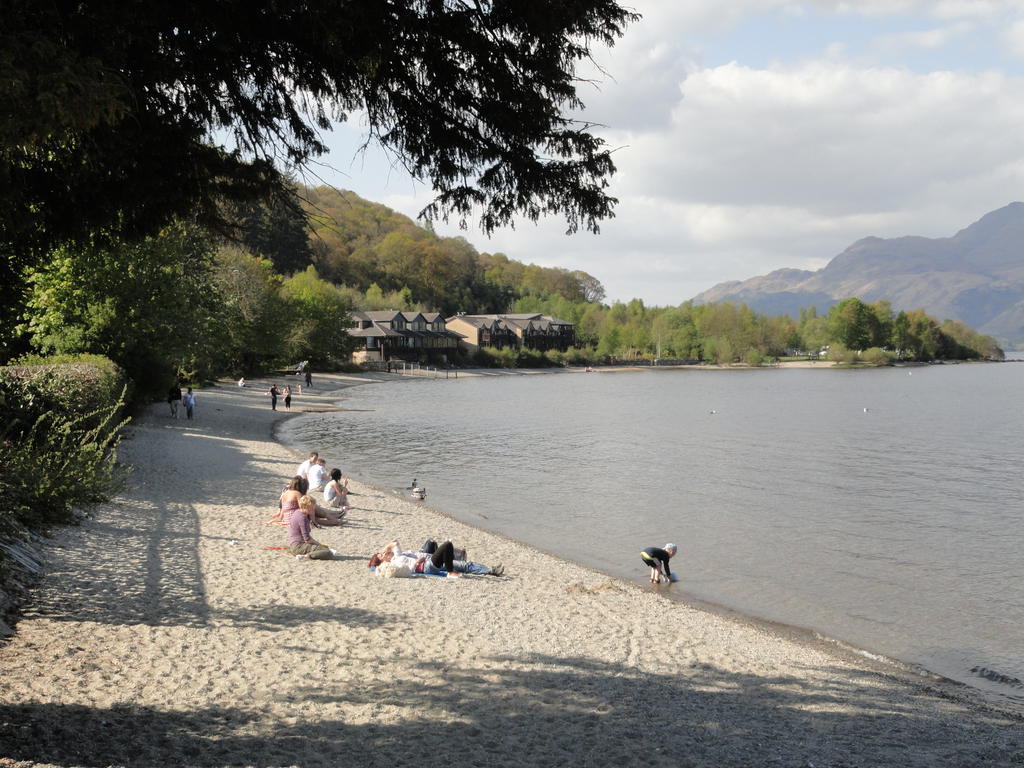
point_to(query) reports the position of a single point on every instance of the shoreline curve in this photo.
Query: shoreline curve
(164, 633)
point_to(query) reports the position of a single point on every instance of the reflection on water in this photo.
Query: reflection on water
(881, 507)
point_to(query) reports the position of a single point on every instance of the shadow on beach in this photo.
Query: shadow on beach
(139, 563)
(554, 711)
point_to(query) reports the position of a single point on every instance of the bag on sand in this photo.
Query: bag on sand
(429, 546)
(392, 571)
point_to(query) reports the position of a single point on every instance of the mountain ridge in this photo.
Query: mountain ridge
(975, 276)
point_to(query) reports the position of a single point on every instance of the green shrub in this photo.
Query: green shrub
(489, 357)
(755, 358)
(511, 357)
(58, 465)
(70, 384)
(59, 425)
(555, 357)
(837, 353)
(876, 356)
(580, 356)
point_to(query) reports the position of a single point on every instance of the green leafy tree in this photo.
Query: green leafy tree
(256, 321)
(148, 306)
(675, 335)
(853, 324)
(588, 286)
(883, 326)
(318, 315)
(899, 335)
(970, 343)
(118, 110)
(635, 338)
(924, 339)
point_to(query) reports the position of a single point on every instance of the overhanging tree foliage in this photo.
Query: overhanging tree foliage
(147, 305)
(117, 107)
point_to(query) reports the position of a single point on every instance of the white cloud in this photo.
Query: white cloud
(761, 169)
(924, 38)
(1013, 37)
(829, 134)
(940, 9)
(731, 171)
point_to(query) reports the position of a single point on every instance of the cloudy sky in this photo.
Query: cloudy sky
(758, 134)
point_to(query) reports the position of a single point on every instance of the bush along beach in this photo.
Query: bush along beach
(60, 420)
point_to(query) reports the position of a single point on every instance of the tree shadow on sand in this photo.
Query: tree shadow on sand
(277, 617)
(553, 712)
(139, 565)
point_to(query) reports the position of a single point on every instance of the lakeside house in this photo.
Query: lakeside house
(394, 335)
(528, 331)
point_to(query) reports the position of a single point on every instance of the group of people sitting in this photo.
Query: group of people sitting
(300, 512)
(334, 486)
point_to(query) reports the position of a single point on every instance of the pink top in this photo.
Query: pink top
(298, 529)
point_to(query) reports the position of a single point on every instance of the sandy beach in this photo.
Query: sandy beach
(166, 634)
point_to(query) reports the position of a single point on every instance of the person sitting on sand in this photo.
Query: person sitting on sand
(304, 466)
(657, 559)
(289, 501)
(299, 540)
(440, 563)
(317, 475)
(336, 491)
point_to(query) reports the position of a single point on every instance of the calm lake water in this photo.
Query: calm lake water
(881, 508)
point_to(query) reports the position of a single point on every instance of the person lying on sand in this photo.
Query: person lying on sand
(299, 541)
(657, 559)
(440, 563)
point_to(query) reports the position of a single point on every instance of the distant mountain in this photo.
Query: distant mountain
(976, 276)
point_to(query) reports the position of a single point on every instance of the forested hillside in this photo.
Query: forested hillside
(361, 244)
(191, 304)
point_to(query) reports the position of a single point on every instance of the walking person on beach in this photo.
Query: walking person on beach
(309, 377)
(174, 399)
(657, 559)
(189, 401)
(288, 397)
(274, 392)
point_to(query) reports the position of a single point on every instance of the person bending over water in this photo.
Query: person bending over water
(657, 559)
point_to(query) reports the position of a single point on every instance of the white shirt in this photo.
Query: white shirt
(303, 469)
(317, 476)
